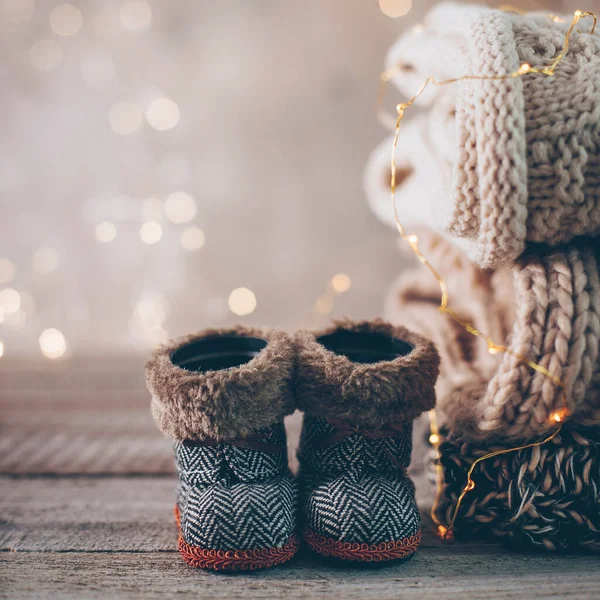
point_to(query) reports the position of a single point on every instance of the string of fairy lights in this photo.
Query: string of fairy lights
(558, 417)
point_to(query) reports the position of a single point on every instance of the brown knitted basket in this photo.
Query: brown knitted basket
(545, 497)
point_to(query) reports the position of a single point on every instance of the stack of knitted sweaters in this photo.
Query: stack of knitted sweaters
(507, 175)
(501, 180)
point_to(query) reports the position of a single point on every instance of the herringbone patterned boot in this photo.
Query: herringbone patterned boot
(361, 385)
(221, 395)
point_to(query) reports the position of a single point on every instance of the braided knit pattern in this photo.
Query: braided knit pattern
(586, 387)
(465, 217)
(546, 497)
(555, 299)
(557, 327)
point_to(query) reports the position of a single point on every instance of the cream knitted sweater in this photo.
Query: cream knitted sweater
(526, 158)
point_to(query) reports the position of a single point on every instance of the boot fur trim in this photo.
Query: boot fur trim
(222, 404)
(366, 395)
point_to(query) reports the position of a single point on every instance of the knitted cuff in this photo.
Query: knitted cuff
(365, 374)
(221, 384)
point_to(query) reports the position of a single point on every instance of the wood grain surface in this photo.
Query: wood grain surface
(86, 510)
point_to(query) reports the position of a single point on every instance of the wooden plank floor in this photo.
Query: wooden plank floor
(87, 494)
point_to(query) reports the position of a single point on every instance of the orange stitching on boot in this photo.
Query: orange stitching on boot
(362, 552)
(237, 560)
(234, 560)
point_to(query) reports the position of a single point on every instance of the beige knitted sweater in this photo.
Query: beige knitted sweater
(526, 156)
(546, 307)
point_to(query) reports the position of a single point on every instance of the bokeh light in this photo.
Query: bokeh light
(151, 232)
(341, 283)
(106, 232)
(147, 320)
(242, 301)
(10, 300)
(324, 305)
(135, 15)
(66, 19)
(52, 343)
(163, 114)
(7, 270)
(180, 207)
(45, 55)
(395, 8)
(192, 238)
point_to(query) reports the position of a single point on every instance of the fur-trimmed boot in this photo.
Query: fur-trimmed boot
(221, 395)
(360, 386)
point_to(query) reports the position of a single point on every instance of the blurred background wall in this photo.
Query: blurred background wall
(167, 166)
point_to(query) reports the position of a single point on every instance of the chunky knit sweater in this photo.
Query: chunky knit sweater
(526, 151)
(546, 307)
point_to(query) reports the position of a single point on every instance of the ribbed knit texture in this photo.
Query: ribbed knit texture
(527, 152)
(546, 307)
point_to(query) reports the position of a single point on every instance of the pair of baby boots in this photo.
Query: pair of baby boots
(221, 395)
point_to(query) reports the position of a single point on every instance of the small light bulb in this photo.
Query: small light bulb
(525, 68)
(412, 240)
(578, 13)
(494, 348)
(434, 439)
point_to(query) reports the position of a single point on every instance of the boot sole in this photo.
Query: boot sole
(235, 560)
(362, 553)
